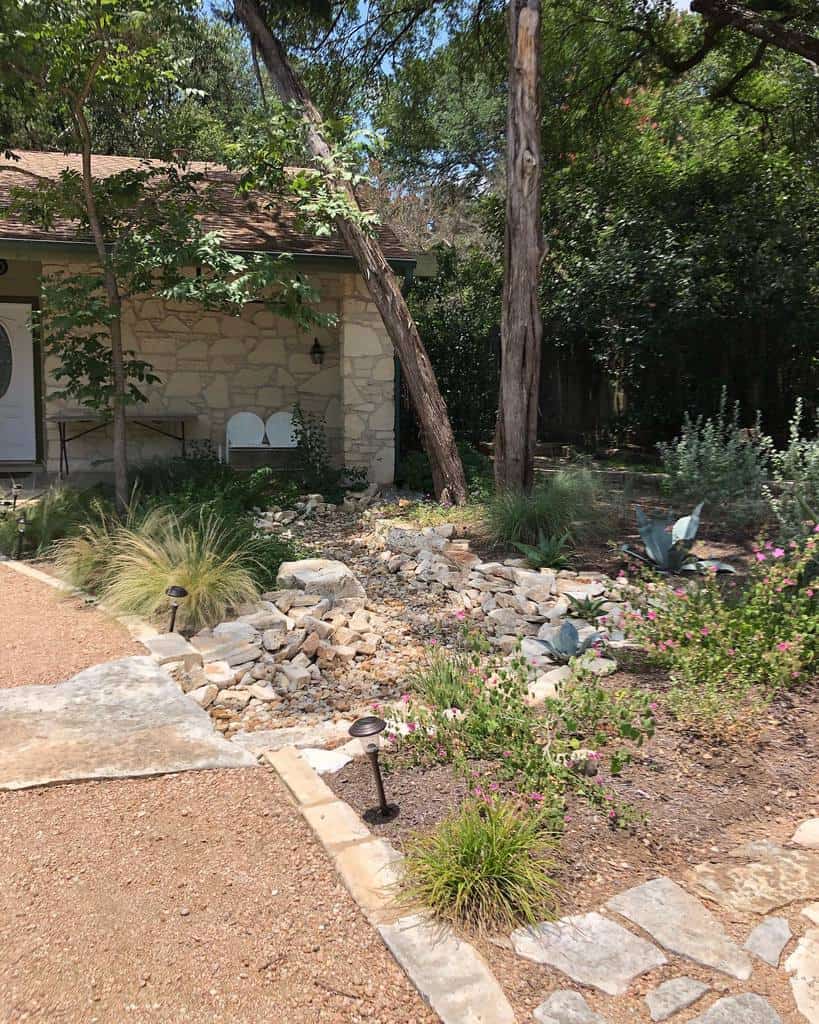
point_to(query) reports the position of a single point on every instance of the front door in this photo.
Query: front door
(18, 432)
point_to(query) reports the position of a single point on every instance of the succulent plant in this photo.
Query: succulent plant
(668, 544)
(549, 553)
(566, 644)
(587, 608)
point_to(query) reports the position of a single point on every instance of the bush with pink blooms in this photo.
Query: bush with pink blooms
(731, 648)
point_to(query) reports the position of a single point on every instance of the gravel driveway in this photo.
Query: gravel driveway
(46, 637)
(199, 898)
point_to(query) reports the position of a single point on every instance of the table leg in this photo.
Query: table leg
(182, 435)
(61, 427)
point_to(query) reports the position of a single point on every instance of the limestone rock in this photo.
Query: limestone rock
(768, 939)
(771, 877)
(219, 673)
(591, 950)
(745, 1009)
(803, 966)
(547, 685)
(204, 695)
(325, 761)
(600, 667)
(322, 576)
(681, 924)
(566, 1007)
(807, 834)
(672, 996)
(168, 647)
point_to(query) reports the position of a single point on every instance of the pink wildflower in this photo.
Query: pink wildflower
(537, 797)
(783, 646)
(653, 706)
(494, 786)
(778, 553)
(405, 698)
(460, 615)
(652, 616)
(412, 726)
(816, 528)
(705, 631)
(760, 557)
(809, 592)
(507, 753)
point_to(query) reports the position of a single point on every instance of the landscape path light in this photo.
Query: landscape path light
(21, 532)
(176, 594)
(367, 731)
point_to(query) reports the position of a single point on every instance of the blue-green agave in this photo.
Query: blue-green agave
(668, 544)
(566, 644)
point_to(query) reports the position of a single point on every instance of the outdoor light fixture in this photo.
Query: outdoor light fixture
(367, 731)
(317, 352)
(15, 493)
(21, 532)
(176, 594)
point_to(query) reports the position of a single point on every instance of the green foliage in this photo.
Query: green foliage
(443, 680)
(54, 515)
(548, 553)
(715, 460)
(565, 644)
(587, 608)
(731, 649)
(488, 867)
(561, 504)
(794, 497)
(524, 751)
(415, 473)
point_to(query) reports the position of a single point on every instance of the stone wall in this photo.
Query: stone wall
(212, 365)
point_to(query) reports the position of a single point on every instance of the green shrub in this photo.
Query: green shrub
(488, 867)
(728, 649)
(563, 504)
(714, 460)
(548, 553)
(57, 514)
(415, 473)
(443, 681)
(84, 558)
(794, 498)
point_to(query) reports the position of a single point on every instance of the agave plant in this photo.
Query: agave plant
(566, 644)
(548, 553)
(668, 544)
(587, 608)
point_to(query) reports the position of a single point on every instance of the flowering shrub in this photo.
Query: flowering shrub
(532, 751)
(730, 650)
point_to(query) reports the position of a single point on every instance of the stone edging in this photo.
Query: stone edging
(448, 973)
(139, 629)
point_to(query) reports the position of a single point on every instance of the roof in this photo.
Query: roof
(245, 222)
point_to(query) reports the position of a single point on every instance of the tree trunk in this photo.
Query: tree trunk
(438, 438)
(521, 325)
(120, 446)
(725, 14)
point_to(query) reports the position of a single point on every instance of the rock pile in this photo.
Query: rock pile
(313, 505)
(286, 657)
(509, 599)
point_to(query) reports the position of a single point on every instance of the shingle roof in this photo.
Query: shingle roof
(244, 221)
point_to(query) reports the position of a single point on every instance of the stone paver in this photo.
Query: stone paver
(448, 973)
(811, 912)
(807, 834)
(803, 966)
(768, 939)
(681, 924)
(591, 950)
(119, 719)
(566, 1007)
(672, 996)
(771, 877)
(745, 1009)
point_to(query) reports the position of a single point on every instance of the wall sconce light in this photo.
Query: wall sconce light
(317, 352)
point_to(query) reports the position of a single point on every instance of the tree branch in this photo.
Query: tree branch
(725, 14)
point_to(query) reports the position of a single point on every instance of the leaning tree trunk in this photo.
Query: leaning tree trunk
(439, 440)
(521, 325)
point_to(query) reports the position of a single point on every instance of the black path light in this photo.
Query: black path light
(21, 532)
(176, 594)
(367, 730)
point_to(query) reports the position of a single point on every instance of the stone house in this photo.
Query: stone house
(211, 364)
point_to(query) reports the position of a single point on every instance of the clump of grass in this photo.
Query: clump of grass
(443, 681)
(561, 505)
(488, 867)
(56, 514)
(203, 557)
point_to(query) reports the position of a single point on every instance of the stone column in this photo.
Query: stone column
(367, 385)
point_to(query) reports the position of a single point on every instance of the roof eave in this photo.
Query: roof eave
(22, 248)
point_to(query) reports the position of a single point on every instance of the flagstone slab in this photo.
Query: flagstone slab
(116, 720)
(763, 878)
(566, 1007)
(803, 966)
(768, 939)
(673, 996)
(745, 1009)
(591, 950)
(680, 923)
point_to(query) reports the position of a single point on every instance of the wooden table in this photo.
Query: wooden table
(148, 420)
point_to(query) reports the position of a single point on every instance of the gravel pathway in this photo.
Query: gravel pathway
(46, 637)
(200, 898)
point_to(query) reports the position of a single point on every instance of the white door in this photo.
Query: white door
(18, 434)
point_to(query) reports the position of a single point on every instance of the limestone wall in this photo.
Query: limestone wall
(212, 365)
